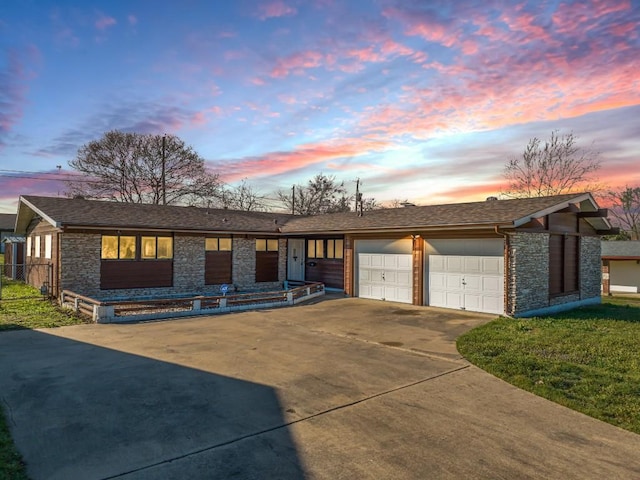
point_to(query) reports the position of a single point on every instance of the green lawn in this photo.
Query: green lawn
(586, 359)
(21, 306)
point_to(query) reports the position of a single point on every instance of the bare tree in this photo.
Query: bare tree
(321, 194)
(396, 203)
(136, 168)
(551, 168)
(243, 197)
(625, 208)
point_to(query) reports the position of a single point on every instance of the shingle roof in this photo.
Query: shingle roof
(7, 222)
(63, 212)
(92, 213)
(629, 248)
(493, 212)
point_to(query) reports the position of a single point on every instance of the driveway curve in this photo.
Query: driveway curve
(343, 388)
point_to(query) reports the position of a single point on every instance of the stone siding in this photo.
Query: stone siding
(590, 267)
(528, 272)
(80, 262)
(244, 263)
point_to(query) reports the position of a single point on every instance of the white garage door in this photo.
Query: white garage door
(467, 282)
(385, 277)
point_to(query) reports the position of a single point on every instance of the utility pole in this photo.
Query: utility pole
(293, 200)
(164, 182)
(358, 199)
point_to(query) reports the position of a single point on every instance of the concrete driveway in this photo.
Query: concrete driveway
(342, 389)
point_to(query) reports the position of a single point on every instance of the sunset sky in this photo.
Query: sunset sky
(422, 100)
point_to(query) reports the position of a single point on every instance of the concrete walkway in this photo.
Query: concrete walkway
(344, 388)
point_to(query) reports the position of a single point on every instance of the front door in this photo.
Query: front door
(295, 259)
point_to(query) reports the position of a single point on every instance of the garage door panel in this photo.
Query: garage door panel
(454, 264)
(492, 265)
(474, 283)
(385, 277)
(492, 284)
(472, 265)
(453, 281)
(404, 279)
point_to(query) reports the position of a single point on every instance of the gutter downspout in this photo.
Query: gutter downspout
(507, 260)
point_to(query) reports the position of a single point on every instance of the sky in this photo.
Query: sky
(421, 100)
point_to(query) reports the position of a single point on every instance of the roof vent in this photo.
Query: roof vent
(492, 199)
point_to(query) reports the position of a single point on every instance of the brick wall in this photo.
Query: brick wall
(528, 272)
(80, 272)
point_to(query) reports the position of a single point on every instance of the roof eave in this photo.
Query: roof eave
(407, 230)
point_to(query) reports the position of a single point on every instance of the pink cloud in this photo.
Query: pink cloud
(274, 163)
(19, 70)
(132, 19)
(585, 16)
(275, 9)
(297, 63)
(105, 22)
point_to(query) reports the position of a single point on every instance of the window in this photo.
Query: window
(37, 245)
(218, 244)
(124, 247)
(267, 259)
(564, 261)
(153, 248)
(47, 246)
(315, 248)
(28, 246)
(127, 249)
(335, 248)
(266, 245)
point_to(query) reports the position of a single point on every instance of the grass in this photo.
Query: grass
(22, 306)
(586, 359)
(11, 464)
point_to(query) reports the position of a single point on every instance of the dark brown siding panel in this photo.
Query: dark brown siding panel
(266, 266)
(563, 222)
(329, 271)
(136, 274)
(555, 264)
(217, 269)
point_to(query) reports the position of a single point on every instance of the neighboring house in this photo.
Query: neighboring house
(620, 266)
(14, 257)
(514, 257)
(7, 224)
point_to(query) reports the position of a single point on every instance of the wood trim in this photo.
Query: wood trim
(348, 266)
(600, 213)
(418, 270)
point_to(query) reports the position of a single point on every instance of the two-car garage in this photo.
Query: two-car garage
(457, 273)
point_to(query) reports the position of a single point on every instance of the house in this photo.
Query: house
(620, 266)
(7, 224)
(515, 257)
(14, 257)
